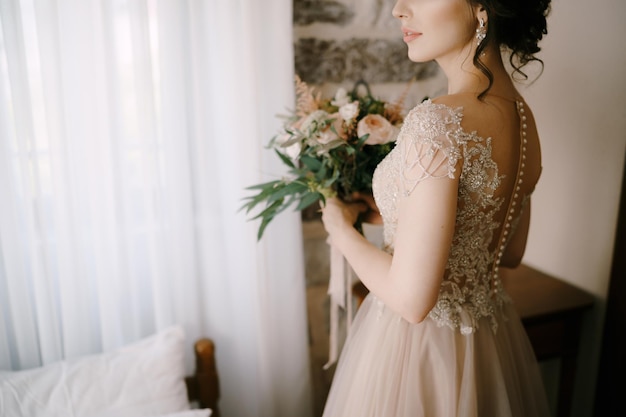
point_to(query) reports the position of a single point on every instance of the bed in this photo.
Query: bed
(143, 379)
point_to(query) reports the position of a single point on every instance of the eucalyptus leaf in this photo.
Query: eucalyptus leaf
(308, 199)
(312, 163)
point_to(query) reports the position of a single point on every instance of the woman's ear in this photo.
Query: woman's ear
(480, 12)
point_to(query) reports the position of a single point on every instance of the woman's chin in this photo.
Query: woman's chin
(419, 58)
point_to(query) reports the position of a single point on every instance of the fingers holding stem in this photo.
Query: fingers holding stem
(338, 214)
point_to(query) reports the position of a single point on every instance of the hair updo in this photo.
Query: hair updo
(517, 25)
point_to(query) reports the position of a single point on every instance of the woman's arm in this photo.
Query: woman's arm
(408, 282)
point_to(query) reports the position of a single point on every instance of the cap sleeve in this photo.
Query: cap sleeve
(429, 144)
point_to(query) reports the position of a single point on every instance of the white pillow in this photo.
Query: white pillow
(205, 412)
(143, 379)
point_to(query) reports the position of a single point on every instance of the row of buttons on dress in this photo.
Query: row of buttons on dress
(507, 226)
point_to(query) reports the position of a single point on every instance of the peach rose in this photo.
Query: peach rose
(379, 129)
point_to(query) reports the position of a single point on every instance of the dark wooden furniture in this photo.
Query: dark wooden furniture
(203, 386)
(612, 368)
(552, 312)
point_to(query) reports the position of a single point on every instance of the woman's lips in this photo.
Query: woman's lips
(409, 35)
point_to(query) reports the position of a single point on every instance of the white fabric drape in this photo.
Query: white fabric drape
(128, 131)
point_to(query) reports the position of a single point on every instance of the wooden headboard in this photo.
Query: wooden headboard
(204, 386)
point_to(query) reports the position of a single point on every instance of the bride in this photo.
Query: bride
(437, 335)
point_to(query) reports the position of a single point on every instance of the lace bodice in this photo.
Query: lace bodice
(433, 140)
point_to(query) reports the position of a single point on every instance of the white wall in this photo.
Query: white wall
(580, 106)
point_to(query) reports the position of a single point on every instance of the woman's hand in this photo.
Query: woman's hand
(338, 215)
(372, 214)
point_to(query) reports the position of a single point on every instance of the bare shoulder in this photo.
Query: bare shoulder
(468, 104)
(456, 100)
(492, 115)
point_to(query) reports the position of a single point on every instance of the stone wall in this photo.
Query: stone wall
(338, 42)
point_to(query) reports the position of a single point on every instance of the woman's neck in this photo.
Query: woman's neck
(467, 78)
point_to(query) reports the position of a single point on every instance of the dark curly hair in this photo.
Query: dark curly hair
(517, 25)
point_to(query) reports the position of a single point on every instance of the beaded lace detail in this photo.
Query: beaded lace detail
(433, 140)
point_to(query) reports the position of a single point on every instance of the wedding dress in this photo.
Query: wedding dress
(470, 357)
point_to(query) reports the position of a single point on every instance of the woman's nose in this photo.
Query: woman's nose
(399, 10)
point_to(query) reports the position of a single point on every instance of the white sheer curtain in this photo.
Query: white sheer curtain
(128, 131)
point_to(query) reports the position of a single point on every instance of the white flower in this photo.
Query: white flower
(292, 150)
(341, 98)
(349, 111)
(379, 129)
(311, 122)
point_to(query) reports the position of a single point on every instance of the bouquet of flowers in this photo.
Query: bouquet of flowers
(331, 148)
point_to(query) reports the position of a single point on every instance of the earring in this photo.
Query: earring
(481, 32)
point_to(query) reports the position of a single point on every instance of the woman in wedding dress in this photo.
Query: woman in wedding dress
(437, 335)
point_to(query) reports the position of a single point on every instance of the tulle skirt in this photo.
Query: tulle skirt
(391, 368)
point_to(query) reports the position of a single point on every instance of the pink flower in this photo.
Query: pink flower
(379, 129)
